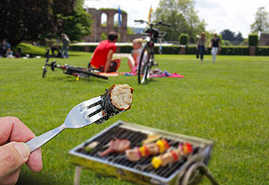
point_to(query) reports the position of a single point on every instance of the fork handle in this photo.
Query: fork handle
(38, 141)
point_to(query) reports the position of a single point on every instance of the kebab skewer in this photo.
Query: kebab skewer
(146, 150)
(172, 155)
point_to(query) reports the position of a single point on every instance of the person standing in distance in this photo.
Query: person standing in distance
(201, 46)
(215, 44)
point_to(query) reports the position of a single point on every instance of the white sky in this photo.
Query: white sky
(236, 15)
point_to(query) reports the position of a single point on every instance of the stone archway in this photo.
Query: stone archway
(97, 28)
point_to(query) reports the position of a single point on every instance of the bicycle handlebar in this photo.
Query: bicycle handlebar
(163, 24)
(153, 24)
(140, 21)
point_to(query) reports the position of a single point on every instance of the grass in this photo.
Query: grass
(227, 102)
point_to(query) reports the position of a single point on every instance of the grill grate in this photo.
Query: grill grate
(136, 138)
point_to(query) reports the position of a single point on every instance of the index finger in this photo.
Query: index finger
(12, 129)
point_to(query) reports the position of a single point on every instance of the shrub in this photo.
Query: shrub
(183, 39)
(252, 39)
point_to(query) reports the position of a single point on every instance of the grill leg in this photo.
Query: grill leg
(77, 175)
(203, 169)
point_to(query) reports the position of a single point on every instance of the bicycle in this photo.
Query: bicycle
(146, 61)
(78, 72)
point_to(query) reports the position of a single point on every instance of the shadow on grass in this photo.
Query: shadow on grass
(37, 179)
(69, 78)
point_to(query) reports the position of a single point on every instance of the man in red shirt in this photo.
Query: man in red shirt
(102, 56)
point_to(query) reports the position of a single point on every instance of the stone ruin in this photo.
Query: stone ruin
(102, 26)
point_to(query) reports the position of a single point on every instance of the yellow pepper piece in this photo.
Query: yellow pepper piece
(77, 78)
(161, 146)
(142, 151)
(156, 162)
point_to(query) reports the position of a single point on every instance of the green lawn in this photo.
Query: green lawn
(227, 102)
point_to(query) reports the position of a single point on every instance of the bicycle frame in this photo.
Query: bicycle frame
(69, 70)
(144, 67)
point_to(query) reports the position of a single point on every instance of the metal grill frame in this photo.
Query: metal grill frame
(203, 156)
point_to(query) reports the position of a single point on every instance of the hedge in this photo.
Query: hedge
(225, 50)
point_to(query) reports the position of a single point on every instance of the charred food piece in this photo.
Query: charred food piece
(117, 99)
(116, 145)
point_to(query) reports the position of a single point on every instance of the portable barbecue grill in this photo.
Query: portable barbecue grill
(186, 171)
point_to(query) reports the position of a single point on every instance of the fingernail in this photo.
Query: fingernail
(23, 150)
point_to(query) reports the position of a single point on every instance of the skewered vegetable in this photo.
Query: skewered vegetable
(172, 156)
(148, 149)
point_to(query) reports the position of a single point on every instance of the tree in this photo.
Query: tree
(35, 19)
(182, 17)
(227, 35)
(19, 21)
(239, 38)
(76, 25)
(232, 37)
(70, 18)
(261, 22)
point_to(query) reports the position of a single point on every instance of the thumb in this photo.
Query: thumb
(12, 156)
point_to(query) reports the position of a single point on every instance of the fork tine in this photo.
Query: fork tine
(94, 117)
(91, 110)
(90, 102)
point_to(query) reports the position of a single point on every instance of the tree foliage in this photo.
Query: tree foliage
(182, 17)
(75, 25)
(261, 22)
(35, 19)
(23, 19)
(232, 37)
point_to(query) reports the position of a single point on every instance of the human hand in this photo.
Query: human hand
(14, 152)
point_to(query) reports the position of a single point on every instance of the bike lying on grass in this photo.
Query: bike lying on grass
(78, 72)
(146, 61)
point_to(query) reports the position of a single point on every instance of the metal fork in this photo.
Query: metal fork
(81, 115)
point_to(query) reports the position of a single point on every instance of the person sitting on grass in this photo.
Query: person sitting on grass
(4, 48)
(133, 59)
(102, 55)
(9, 53)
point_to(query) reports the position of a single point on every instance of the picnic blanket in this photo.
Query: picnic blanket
(154, 74)
(157, 73)
(109, 74)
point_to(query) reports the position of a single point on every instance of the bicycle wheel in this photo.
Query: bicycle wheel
(144, 65)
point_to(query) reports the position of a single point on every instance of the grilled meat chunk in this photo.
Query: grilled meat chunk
(116, 145)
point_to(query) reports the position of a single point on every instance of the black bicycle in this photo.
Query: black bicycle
(78, 72)
(146, 61)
